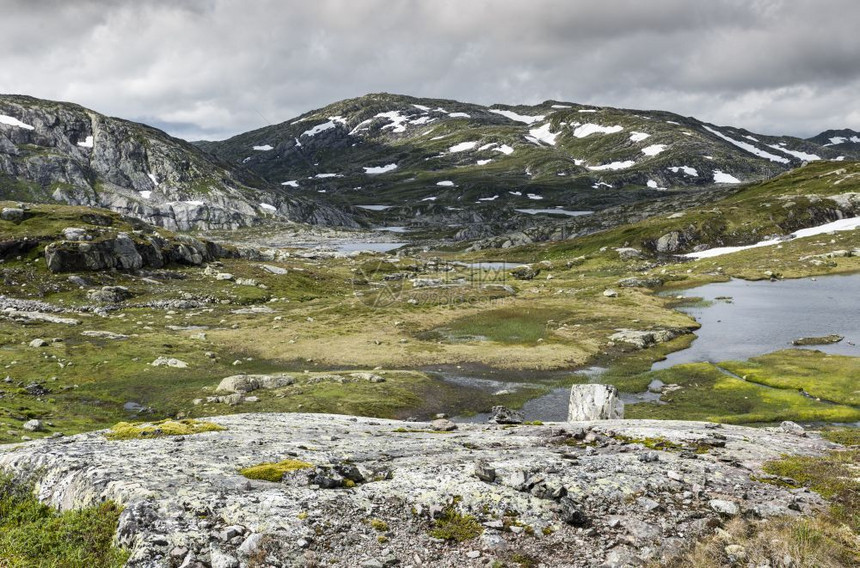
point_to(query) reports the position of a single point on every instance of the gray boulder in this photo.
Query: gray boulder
(525, 272)
(110, 294)
(33, 426)
(12, 214)
(248, 383)
(504, 415)
(594, 402)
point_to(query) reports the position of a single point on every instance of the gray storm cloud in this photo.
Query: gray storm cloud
(213, 68)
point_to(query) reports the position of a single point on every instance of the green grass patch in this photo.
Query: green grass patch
(145, 430)
(273, 471)
(844, 436)
(834, 476)
(34, 535)
(708, 394)
(455, 526)
(829, 377)
(506, 325)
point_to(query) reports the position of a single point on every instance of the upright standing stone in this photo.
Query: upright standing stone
(594, 402)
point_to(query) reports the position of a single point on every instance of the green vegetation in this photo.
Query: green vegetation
(709, 393)
(844, 436)
(833, 476)
(455, 526)
(378, 525)
(828, 377)
(136, 431)
(34, 535)
(274, 472)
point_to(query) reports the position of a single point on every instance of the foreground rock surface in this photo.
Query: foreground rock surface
(570, 494)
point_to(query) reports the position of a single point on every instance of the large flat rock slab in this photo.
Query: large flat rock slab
(570, 494)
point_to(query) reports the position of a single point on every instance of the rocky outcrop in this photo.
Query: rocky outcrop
(131, 252)
(248, 383)
(571, 495)
(594, 402)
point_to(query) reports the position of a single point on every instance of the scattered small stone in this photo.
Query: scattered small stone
(38, 343)
(610, 293)
(724, 507)
(443, 425)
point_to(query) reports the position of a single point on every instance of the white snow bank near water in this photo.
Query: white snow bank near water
(12, 121)
(841, 225)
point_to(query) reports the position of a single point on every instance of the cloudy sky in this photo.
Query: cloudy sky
(214, 68)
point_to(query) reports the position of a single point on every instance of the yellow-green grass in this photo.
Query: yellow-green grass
(146, 430)
(34, 535)
(709, 394)
(834, 476)
(274, 472)
(455, 526)
(834, 378)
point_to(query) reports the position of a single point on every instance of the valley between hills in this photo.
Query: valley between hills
(345, 298)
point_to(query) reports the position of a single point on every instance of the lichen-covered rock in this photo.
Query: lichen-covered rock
(184, 498)
(504, 415)
(643, 338)
(248, 383)
(525, 272)
(110, 294)
(594, 402)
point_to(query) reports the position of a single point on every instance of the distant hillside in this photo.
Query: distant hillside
(53, 151)
(429, 156)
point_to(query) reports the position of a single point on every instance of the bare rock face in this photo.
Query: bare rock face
(185, 499)
(594, 402)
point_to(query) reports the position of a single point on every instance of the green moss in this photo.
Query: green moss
(658, 443)
(139, 430)
(378, 525)
(707, 393)
(844, 436)
(454, 526)
(833, 476)
(33, 535)
(273, 471)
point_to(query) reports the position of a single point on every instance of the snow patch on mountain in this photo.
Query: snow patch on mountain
(583, 130)
(796, 153)
(12, 121)
(87, 143)
(375, 170)
(264, 148)
(653, 149)
(639, 136)
(613, 166)
(462, 147)
(686, 169)
(518, 117)
(544, 134)
(722, 177)
(748, 147)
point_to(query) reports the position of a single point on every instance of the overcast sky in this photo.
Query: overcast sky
(214, 68)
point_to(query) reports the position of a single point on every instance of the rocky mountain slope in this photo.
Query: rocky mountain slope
(53, 151)
(434, 157)
(374, 493)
